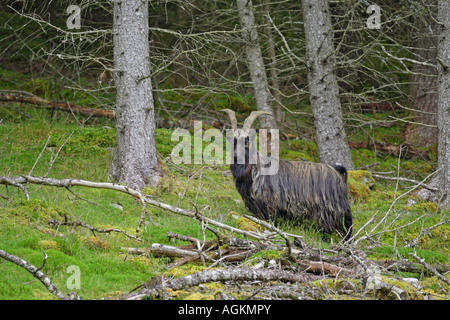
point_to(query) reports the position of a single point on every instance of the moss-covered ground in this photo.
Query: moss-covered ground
(106, 271)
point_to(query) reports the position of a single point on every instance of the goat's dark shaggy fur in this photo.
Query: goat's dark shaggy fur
(300, 190)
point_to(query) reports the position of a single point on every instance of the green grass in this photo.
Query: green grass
(105, 270)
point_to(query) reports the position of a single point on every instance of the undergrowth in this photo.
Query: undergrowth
(106, 270)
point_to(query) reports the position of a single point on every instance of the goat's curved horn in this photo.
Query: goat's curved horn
(232, 116)
(252, 117)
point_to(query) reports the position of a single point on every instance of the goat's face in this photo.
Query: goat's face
(244, 147)
(241, 150)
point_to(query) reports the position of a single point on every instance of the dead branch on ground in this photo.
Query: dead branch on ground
(273, 228)
(411, 267)
(305, 264)
(36, 272)
(407, 150)
(320, 267)
(429, 267)
(215, 275)
(378, 176)
(26, 97)
(90, 227)
(67, 183)
(413, 243)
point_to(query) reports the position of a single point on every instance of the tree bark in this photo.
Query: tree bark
(255, 62)
(273, 64)
(135, 161)
(323, 87)
(424, 83)
(444, 101)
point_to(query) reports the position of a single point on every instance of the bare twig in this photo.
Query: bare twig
(52, 161)
(406, 180)
(422, 232)
(4, 144)
(429, 267)
(391, 206)
(44, 260)
(363, 227)
(92, 228)
(273, 228)
(368, 166)
(40, 154)
(81, 198)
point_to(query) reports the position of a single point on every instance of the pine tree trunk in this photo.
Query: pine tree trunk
(444, 100)
(255, 62)
(135, 161)
(323, 87)
(273, 64)
(424, 83)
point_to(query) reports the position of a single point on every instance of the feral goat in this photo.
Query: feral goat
(297, 191)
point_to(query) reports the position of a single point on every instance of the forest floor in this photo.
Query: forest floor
(398, 237)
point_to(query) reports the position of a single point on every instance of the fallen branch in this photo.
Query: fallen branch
(374, 282)
(406, 180)
(236, 250)
(182, 261)
(183, 237)
(36, 272)
(425, 231)
(220, 275)
(429, 267)
(92, 228)
(320, 267)
(343, 259)
(26, 97)
(170, 251)
(204, 246)
(13, 182)
(136, 251)
(273, 228)
(406, 266)
(390, 208)
(389, 148)
(233, 255)
(66, 183)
